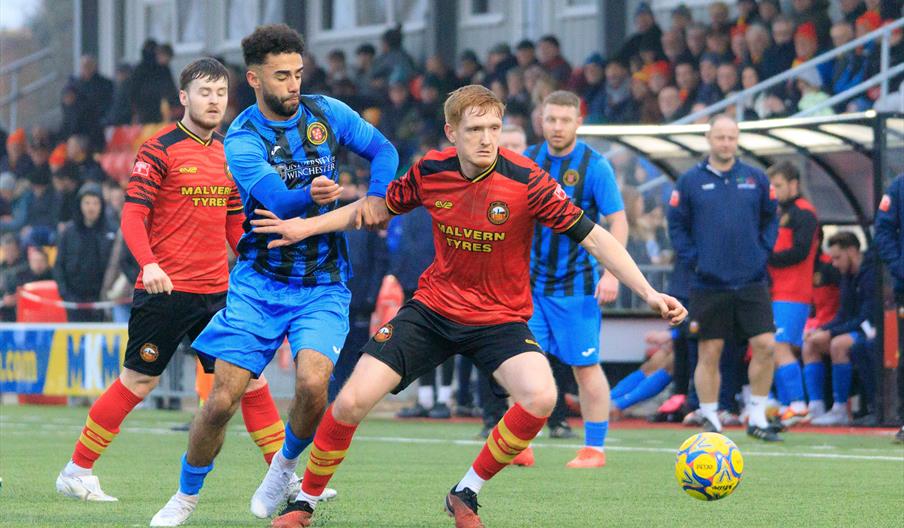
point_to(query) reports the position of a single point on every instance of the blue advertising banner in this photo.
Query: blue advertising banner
(60, 359)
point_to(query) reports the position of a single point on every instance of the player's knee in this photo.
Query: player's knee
(139, 384)
(311, 386)
(348, 408)
(541, 401)
(219, 408)
(840, 350)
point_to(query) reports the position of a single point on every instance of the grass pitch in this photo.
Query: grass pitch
(396, 475)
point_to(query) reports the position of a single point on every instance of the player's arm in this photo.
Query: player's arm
(768, 215)
(888, 230)
(364, 139)
(680, 219)
(144, 183)
(804, 226)
(246, 154)
(295, 230)
(607, 288)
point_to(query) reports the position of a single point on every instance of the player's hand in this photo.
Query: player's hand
(668, 307)
(373, 214)
(606, 289)
(156, 280)
(292, 231)
(324, 190)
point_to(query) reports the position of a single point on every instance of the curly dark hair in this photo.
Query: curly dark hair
(275, 39)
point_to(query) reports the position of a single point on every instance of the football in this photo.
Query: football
(709, 466)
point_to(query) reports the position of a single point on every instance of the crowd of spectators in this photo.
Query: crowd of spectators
(50, 181)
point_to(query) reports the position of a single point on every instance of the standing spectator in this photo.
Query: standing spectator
(94, 94)
(779, 56)
(814, 12)
(120, 112)
(42, 218)
(853, 325)
(313, 77)
(437, 69)
(889, 240)
(727, 78)
(399, 119)
(69, 106)
(80, 153)
(336, 68)
(151, 86)
(526, 54)
(364, 60)
(114, 200)
(65, 184)
(696, 40)
(469, 71)
(394, 61)
(851, 10)
(499, 61)
(646, 34)
(723, 222)
(17, 161)
(11, 267)
(14, 205)
(83, 254)
(618, 93)
(430, 110)
(550, 56)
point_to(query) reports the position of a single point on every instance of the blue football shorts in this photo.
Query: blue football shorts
(568, 328)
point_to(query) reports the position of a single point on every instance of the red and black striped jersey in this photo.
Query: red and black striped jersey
(794, 253)
(482, 232)
(184, 182)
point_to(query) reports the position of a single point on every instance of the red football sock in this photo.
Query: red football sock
(511, 436)
(331, 441)
(263, 422)
(102, 425)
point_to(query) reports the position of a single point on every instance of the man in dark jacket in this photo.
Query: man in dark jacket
(647, 35)
(11, 266)
(83, 253)
(94, 93)
(852, 327)
(723, 222)
(889, 242)
(151, 84)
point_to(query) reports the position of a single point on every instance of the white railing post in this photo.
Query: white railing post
(14, 106)
(883, 61)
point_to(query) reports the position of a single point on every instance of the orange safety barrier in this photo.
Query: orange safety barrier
(203, 382)
(891, 338)
(29, 310)
(389, 300)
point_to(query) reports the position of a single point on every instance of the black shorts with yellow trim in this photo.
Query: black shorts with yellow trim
(159, 322)
(417, 340)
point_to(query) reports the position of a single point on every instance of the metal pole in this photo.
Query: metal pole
(883, 62)
(76, 34)
(879, 152)
(14, 106)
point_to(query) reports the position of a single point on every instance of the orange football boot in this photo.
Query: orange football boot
(588, 458)
(524, 458)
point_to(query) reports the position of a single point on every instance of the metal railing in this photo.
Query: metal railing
(13, 69)
(885, 73)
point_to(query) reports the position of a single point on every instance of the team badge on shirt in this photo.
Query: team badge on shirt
(316, 133)
(141, 168)
(498, 213)
(571, 177)
(384, 334)
(149, 352)
(885, 204)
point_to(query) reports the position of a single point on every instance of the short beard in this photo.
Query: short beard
(202, 122)
(278, 107)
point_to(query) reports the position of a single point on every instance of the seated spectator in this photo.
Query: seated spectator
(847, 69)
(393, 60)
(768, 10)
(593, 89)
(550, 57)
(83, 253)
(851, 10)
(515, 85)
(14, 204)
(12, 264)
(687, 81)
(643, 102)
(364, 59)
(852, 325)
(758, 41)
(469, 70)
(696, 41)
(79, 152)
(430, 109)
(754, 105)
(669, 101)
(809, 84)
(17, 161)
(815, 13)
(659, 76)
(646, 35)
(444, 77)
(709, 93)
(806, 43)
(399, 119)
(336, 68)
(681, 18)
(313, 77)
(618, 93)
(719, 17)
(525, 54)
(42, 219)
(727, 78)
(779, 56)
(748, 13)
(719, 44)
(738, 45)
(38, 268)
(114, 198)
(674, 47)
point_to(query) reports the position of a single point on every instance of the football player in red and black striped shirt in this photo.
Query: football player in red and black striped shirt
(181, 209)
(474, 299)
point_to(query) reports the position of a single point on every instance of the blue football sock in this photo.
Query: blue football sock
(646, 389)
(814, 378)
(293, 446)
(841, 382)
(789, 381)
(192, 477)
(627, 384)
(595, 433)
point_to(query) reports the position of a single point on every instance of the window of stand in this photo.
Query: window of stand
(241, 17)
(345, 19)
(483, 12)
(180, 23)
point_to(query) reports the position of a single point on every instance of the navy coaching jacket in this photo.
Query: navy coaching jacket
(889, 237)
(724, 225)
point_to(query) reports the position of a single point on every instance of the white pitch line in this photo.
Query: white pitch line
(468, 442)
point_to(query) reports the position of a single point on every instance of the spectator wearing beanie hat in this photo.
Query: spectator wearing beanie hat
(809, 84)
(43, 207)
(17, 160)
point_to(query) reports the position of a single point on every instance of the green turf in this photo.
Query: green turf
(388, 482)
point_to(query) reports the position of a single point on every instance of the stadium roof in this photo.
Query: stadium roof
(840, 175)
